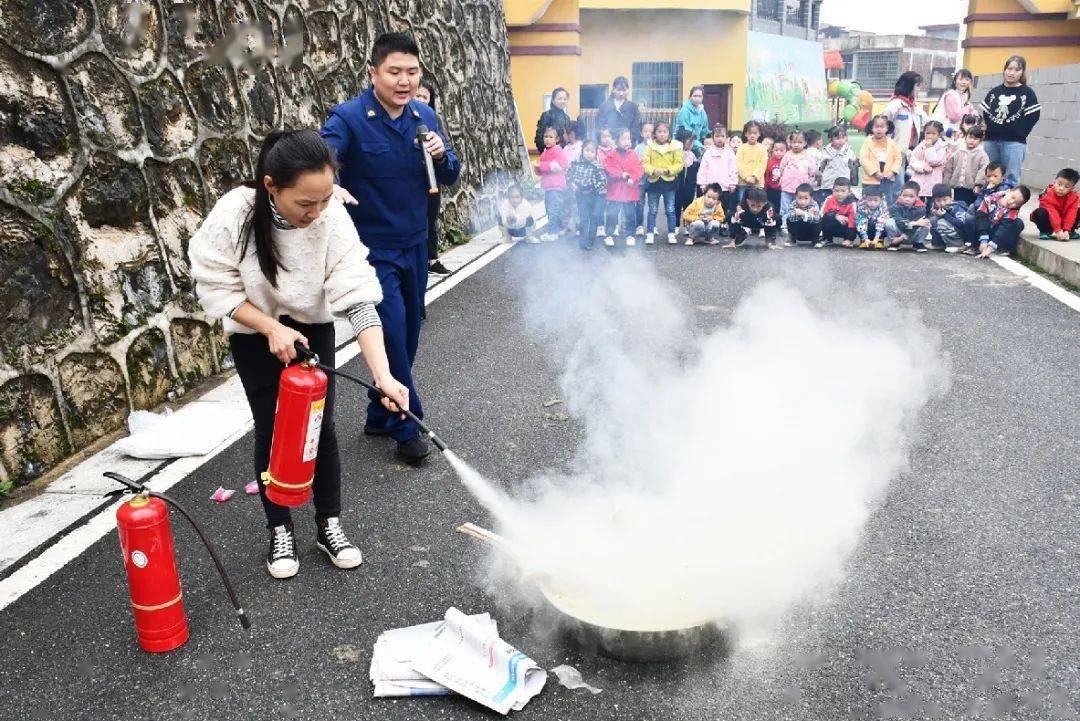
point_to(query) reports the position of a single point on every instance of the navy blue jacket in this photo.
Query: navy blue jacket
(384, 169)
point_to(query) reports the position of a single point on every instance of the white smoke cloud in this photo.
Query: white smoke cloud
(723, 475)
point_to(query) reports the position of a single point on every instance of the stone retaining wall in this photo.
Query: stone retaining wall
(122, 122)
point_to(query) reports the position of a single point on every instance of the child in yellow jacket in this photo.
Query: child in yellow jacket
(751, 159)
(880, 159)
(703, 220)
(663, 162)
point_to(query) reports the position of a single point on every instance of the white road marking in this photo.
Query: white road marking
(1044, 284)
(85, 480)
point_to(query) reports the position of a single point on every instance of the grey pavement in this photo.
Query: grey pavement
(961, 600)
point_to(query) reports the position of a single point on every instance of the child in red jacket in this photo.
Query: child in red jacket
(772, 174)
(624, 173)
(838, 215)
(1057, 217)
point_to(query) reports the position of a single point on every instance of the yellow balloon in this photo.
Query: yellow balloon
(833, 84)
(865, 100)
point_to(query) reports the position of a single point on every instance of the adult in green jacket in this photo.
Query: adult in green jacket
(692, 117)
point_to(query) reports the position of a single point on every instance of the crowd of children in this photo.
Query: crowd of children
(945, 193)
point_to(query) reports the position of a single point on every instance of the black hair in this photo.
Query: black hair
(936, 125)
(795, 134)
(905, 84)
(552, 128)
(910, 185)
(842, 183)
(657, 125)
(976, 131)
(577, 128)
(995, 165)
(734, 135)
(758, 195)
(804, 188)
(1068, 174)
(812, 136)
(514, 187)
(427, 85)
(941, 190)
(715, 188)
(697, 87)
(719, 129)
(620, 80)
(836, 131)
(970, 119)
(617, 133)
(683, 135)
(888, 124)
(388, 43)
(961, 73)
(285, 155)
(1019, 60)
(1025, 192)
(752, 124)
(872, 191)
(558, 90)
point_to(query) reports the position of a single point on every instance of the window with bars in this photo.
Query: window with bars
(658, 85)
(769, 9)
(592, 96)
(877, 68)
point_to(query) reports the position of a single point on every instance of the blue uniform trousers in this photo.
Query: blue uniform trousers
(403, 274)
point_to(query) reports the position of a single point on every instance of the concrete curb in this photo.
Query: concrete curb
(1057, 258)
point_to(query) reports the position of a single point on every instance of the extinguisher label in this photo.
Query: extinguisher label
(314, 427)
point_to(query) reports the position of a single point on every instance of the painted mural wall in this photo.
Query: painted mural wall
(785, 80)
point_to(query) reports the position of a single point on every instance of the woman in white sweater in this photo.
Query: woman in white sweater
(279, 259)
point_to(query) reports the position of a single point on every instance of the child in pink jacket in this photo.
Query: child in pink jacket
(718, 166)
(552, 171)
(928, 160)
(798, 166)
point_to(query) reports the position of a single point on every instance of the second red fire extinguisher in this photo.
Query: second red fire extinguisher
(297, 425)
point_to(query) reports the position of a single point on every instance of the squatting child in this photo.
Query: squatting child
(997, 222)
(753, 215)
(1057, 217)
(803, 217)
(871, 214)
(703, 219)
(515, 215)
(947, 218)
(907, 220)
(838, 215)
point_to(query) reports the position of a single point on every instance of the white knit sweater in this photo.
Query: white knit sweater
(324, 273)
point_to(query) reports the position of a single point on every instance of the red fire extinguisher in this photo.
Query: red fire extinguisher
(146, 541)
(297, 424)
(156, 599)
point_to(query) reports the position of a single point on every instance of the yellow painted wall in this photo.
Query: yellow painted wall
(989, 60)
(533, 76)
(611, 41)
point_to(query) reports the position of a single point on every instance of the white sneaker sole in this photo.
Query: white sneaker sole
(283, 573)
(337, 561)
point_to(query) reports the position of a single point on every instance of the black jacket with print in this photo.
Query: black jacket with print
(1010, 113)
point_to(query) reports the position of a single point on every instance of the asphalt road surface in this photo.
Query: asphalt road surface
(962, 599)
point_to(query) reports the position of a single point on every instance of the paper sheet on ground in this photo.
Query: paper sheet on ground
(391, 661)
(468, 656)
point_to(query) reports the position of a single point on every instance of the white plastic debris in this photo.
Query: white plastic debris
(469, 657)
(570, 678)
(391, 661)
(195, 430)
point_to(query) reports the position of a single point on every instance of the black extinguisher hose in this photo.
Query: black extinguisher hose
(140, 488)
(307, 356)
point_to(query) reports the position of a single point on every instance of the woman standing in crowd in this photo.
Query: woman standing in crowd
(955, 103)
(426, 94)
(554, 117)
(907, 119)
(692, 117)
(1011, 111)
(618, 111)
(278, 259)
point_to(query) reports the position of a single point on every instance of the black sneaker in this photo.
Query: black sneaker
(413, 451)
(438, 268)
(281, 561)
(332, 541)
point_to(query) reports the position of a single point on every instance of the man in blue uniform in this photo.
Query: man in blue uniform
(382, 166)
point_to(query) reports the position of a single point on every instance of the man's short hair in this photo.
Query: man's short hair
(621, 80)
(941, 190)
(388, 43)
(842, 182)
(1068, 175)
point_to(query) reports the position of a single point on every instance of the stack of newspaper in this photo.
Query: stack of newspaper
(462, 654)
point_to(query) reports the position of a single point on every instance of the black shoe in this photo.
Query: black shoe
(370, 430)
(331, 540)
(413, 451)
(281, 561)
(438, 268)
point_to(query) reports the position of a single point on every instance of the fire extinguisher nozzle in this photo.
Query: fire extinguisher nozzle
(244, 620)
